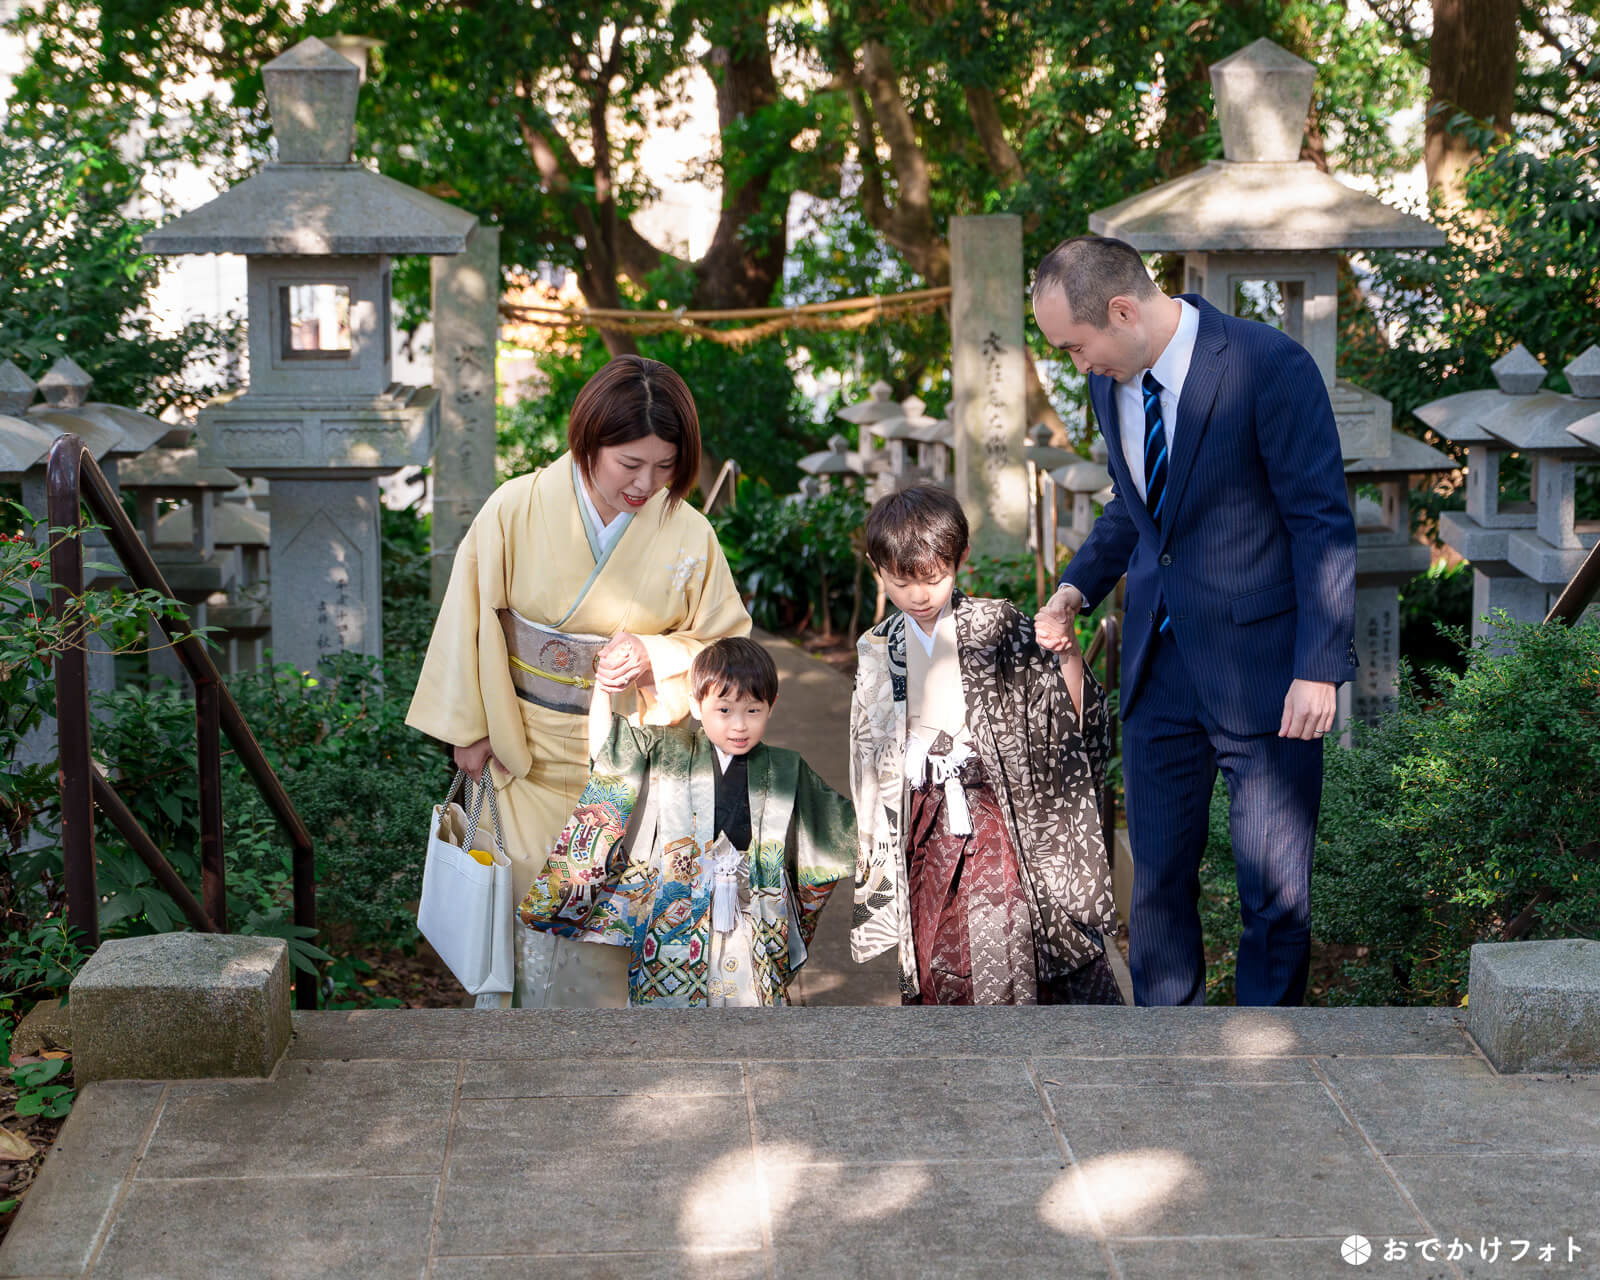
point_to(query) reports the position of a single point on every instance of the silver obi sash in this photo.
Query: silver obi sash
(550, 668)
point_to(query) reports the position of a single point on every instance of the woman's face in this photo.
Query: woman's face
(626, 476)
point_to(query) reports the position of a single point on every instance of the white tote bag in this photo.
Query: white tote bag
(466, 912)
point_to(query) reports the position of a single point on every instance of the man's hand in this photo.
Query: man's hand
(1308, 709)
(1053, 624)
(621, 662)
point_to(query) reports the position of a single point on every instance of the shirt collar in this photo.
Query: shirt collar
(1172, 366)
(925, 638)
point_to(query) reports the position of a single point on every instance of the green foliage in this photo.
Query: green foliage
(1434, 606)
(72, 279)
(792, 559)
(408, 606)
(749, 407)
(1470, 820)
(1001, 578)
(37, 1092)
(1474, 817)
(41, 962)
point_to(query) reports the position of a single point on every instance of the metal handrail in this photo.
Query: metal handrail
(1108, 640)
(1580, 593)
(74, 480)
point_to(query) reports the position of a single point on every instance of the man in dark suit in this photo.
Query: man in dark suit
(1231, 523)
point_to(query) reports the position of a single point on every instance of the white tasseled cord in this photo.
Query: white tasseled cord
(943, 771)
(725, 864)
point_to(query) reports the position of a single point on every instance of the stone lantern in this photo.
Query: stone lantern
(1537, 426)
(1264, 228)
(321, 417)
(241, 534)
(1520, 552)
(1387, 557)
(201, 573)
(836, 460)
(878, 407)
(936, 446)
(1085, 482)
(24, 442)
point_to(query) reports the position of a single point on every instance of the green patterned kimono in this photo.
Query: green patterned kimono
(632, 868)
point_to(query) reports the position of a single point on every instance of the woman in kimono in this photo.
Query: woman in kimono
(589, 573)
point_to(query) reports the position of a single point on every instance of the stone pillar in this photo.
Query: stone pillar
(326, 582)
(466, 323)
(1377, 679)
(988, 395)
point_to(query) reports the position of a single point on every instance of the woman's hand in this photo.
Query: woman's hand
(473, 758)
(622, 662)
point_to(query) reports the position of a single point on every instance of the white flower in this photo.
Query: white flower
(684, 568)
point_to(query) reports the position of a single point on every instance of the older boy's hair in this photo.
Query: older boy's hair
(918, 531)
(734, 667)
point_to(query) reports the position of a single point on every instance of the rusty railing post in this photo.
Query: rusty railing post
(208, 741)
(72, 690)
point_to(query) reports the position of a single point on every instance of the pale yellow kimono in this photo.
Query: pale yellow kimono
(664, 578)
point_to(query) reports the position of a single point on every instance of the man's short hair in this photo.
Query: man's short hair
(734, 667)
(917, 532)
(1092, 270)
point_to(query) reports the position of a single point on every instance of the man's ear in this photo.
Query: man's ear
(1122, 311)
(694, 708)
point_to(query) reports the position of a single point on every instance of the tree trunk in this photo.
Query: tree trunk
(1472, 68)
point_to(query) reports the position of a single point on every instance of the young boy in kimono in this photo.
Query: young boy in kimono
(975, 765)
(706, 852)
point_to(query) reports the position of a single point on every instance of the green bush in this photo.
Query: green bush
(1471, 820)
(1473, 817)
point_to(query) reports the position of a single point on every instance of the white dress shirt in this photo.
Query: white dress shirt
(1171, 368)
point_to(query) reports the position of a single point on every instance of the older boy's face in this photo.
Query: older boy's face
(736, 723)
(921, 597)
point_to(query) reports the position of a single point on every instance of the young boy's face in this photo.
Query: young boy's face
(921, 597)
(735, 722)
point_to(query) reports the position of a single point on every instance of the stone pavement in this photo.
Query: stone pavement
(827, 1143)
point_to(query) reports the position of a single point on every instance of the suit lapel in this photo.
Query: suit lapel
(1194, 404)
(1103, 396)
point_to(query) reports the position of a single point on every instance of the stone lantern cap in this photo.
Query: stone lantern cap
(175, 473)
(66, 390)
(1407, 456)
(1539, 423)
(836, 460)
(1458, 417)
(314, 199)
(1587, 430)
(876, 408)
(100, 435)
(1583, 374)
(1262, 197)
(235, 525)
(936, 431)
(16, 389)
(1043, 454)
(24, 443)
(909, 423)
(66, 384)
(1263, 93)
(1518, 372)
(1083, 476)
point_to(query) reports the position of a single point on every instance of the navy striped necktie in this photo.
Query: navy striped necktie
(1155, 469)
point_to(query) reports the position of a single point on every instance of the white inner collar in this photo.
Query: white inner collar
(608, 532)
(925, 638)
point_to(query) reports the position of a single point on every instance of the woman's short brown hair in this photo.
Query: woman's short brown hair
(917, 532)
(629, 399)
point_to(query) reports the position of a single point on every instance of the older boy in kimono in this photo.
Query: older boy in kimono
(706, 852)
(975, 763)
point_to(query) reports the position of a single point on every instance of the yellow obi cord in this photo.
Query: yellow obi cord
(577, 682)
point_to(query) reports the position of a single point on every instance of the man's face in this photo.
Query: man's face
(1118, 351)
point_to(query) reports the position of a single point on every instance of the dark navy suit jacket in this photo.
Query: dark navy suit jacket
(1256, 551)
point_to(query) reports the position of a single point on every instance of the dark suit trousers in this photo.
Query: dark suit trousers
(1171, 751)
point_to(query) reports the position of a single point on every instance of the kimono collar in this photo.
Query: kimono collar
(602, 537)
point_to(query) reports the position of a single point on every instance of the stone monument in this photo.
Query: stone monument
(988, 401)
(321, 416)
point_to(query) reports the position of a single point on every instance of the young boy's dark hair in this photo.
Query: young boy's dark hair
(916, 532)
(734, 667)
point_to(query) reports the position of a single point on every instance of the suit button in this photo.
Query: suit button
(1165, 559)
